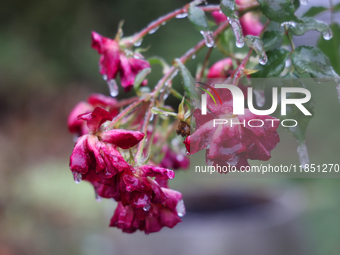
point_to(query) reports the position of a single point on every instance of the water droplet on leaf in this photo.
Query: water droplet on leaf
(327, 35)
(113, 87)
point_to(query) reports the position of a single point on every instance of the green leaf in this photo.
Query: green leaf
(198, 19)
(278, 10)
(272, 39)
(336, 8)
(308, 59)
(292, 111)
(308, 24)
(228, 7)
(331, 48)
(140, 77)
(315, 10)
(159, 60)
(188, 80)
(275, 65)
(156, 110)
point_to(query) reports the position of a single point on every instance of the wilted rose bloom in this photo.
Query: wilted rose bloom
(233, 144)
(174, 160)
(250, 22)
(95, 156)
(113, 60)
(152, 218)
(221, 69)
(79, 127)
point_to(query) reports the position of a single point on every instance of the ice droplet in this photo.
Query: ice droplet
(256, 43)
(208, 37)
(138, 43)
(288, 23)
(181, 15)
(77, 177)
(263, 59)
(303, 154)
(151, 117)
(113, 87)
(236, 26)
(288, 63)
(153, 30)
(259, 97)
(327, 35)
(180, 208)
(163, 23)
(304, 2)
(105, 77)
(147, 207)
(98, 198)
(193, 56)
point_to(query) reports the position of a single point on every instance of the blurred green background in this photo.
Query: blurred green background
(46, 67)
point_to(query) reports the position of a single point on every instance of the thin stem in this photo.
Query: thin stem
(122, 114)
(289, 38)
(127, 101)
(331, 9)
(158, 22)
(144, 130)
(205, 62)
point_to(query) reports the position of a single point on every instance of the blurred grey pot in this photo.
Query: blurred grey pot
(229, 222)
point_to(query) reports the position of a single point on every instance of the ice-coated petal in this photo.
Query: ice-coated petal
(96, 118)
(75, 125)
(101, 100)
(159, 172)
(202, 137)
(79, 157)
(124, 139)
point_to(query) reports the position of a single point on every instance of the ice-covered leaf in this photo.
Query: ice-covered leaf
(256, 44)
(188, 81)
(228, 7)
(156, 110)
(308, 59)
(309, 23)
(279, 10)
(275, 65)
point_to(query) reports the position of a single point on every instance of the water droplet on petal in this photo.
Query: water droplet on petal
(182, 15)
(304, 2)
(327, 35)
(153, 30)
(138, 43)
(77, 177)
(180, 208)
(147, 207)
(236, 26)
(208, 37)
(303, 154)
(259, 97)
(113, 87)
